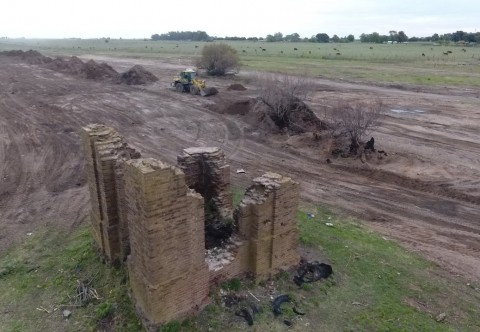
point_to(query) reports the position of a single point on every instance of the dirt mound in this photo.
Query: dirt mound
(95, 71)
(30, 56)
(297, 118)
(35, 57)
(232, 106)
(12, 53)
(211, 91)
(90, 70)
(72, 66)
(136, 75)
(236, 87)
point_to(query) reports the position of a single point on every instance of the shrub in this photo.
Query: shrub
(217, 59)
(356, 120)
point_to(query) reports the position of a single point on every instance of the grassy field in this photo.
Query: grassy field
(414, 63)
(376, 286)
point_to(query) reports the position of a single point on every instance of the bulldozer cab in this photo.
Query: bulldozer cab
(188, 75)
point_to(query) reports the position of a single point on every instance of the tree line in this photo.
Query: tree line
(374, 37)
(401, 37)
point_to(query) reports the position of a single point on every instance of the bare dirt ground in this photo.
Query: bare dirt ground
(425, 193)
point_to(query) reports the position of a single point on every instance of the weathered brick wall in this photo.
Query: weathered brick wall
(267, 218)
(168, 273)
(230, 262)
(105, 150)
(144, 208)
(207, 172)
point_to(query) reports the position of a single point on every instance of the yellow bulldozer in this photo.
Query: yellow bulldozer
(187, 81)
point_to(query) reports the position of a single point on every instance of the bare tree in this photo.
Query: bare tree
(356, 120)
(284, 94)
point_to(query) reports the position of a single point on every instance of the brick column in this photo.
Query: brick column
(167, 269)
(267, 218)
(105, 150)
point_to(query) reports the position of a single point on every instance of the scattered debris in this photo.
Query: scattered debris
(310, 272)
(298, 311)
(40, 308)
(288, 322)
(329, 224)
(66, 313)
(241, 171)
(29, 234)
(441, 317)
(85, 293)
(277, 303)
(256, 298)
(310, 215)
(245, 313)
(358, 303)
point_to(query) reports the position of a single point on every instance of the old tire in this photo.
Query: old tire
(179, 87)
(194, 90)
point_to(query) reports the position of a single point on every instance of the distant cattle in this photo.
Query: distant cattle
(371, 47)
(295, 49)
(338, 53)
(423, 54)
(264, 49)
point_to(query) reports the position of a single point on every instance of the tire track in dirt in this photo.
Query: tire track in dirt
(423, 215)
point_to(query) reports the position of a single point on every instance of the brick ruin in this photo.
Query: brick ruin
(156, 217)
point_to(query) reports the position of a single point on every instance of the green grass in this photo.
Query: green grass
(377, 286)
(388, 64)
(42, 274)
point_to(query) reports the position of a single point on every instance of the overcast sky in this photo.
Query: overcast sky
(142, 18)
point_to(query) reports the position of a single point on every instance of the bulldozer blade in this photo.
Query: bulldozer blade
(208, 92)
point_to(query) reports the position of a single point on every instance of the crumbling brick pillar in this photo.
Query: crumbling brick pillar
(167, 269)
(207, 172)
(105, 151)
(267, 218)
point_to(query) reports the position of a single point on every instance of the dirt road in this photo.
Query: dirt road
(424, 193)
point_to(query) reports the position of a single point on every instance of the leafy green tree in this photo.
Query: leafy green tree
(219, 58)
(393, 35)
(402, 37)
(278, 37)
(351, 38)
(322, 38)
(294, 38)
(335, 39)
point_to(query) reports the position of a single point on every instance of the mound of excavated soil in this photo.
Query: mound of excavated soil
(296, 119)
(95, 71)
(72, 66)
(136, 75)
(90, 70)
(30, 56)
(236, 87)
